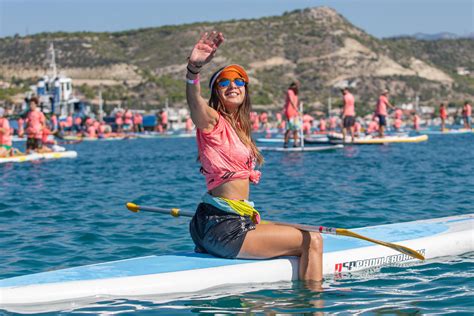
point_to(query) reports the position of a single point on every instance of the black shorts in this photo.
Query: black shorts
(382, 120)
(34, 143)
(349, 121)
(218, 232)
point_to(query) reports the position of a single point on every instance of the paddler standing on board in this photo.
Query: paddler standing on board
(467, 115)
(416, 121)
(443, 115)
(397, 125)
(6, 146)
(35, 122)
(381, 111)
(226, 224)
(291, 113)
(348, 114)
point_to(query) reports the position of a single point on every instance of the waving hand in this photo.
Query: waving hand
(205, 48)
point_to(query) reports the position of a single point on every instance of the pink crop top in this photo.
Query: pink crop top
(224, 157)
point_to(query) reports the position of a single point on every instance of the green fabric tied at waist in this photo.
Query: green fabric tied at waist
(240, 207)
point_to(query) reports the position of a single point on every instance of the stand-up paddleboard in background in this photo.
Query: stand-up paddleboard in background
(321, 139)
(336, 138)
(163, 276)
(311, 139)
(148, 135)
(36, 156)
(92, 139)
(449, 131)
(16, 139)
(301, 149)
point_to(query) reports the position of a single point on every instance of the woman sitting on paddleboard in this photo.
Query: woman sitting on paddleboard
(226, 224)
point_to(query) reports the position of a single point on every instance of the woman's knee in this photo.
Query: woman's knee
(313, 241)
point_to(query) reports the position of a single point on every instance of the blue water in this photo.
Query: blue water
(65, 213)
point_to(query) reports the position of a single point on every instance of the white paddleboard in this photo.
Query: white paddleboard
(336, 138)
(163, 275)
(37, 156)
(301, 149)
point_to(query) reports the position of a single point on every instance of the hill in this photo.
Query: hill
(317, 46)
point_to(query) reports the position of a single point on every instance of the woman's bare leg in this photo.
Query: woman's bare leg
(269, 241)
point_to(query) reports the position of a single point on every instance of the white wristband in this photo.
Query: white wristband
(193, 81)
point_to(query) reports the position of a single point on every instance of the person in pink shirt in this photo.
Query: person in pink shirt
(68, 124)
(322, 124)
(357, 129)
(91, 131)
(78, 125)
(46, 141)
(226, 224)
(21, 127)
(264, 120)
(6, 146)
(373, 126)
(35, 122)
(189, 127)
(164, 121)
(104, 130)
(255, 122)
(96, 124)
(381, 111)
(416, 122)
(119, 121)
(292, 115)
(307, 123)
(348, 114)
(397, 125)
(138, 123)
(128, 120)
(280, 123)
(54, 124)
(399, 114)
(101, 130)
(332, 123)
(467, 115)
(89, 121)
(159, 128)
(443, 115)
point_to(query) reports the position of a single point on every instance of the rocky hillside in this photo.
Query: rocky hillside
(317, 46)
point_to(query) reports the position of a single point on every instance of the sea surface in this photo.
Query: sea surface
(70, 212)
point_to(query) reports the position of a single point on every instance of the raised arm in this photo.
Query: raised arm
(203, 116)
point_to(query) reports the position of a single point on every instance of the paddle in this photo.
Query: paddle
(301, 127)
(176, 212)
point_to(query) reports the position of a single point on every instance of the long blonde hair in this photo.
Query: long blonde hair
(240, 120)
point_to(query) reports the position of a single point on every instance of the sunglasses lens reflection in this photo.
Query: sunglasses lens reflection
(224, 83)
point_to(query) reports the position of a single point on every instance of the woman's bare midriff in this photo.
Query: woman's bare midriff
(233, 190)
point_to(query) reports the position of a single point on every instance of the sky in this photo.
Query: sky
(380, 18)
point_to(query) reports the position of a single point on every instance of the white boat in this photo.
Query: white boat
(37, 156)
(168, 276)
(300, 149)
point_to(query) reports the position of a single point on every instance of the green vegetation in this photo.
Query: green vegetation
(7, 94)
(87, 91)
(301, 44)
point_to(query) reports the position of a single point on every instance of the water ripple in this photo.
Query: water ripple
(71, 212)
